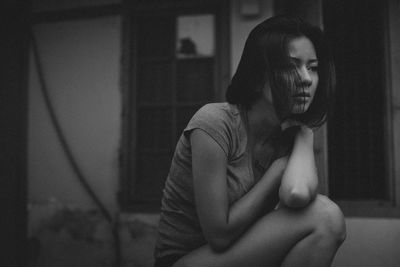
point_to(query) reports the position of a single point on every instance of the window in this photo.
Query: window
(359, 132)
(175, 68)
(358, 153)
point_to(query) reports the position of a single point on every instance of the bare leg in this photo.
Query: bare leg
(280, 236)
(312, 251)
(317, 249)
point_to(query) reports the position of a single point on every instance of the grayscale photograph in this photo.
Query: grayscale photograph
(200, 133)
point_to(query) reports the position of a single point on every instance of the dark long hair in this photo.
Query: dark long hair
(265, 60)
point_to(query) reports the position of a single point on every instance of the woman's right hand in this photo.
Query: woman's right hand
(299, 181)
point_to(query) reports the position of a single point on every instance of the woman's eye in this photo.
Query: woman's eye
(313, 68)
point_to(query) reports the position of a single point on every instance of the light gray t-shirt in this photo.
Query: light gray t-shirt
(179, 230)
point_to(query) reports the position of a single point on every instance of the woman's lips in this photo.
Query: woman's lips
(301, 98)
(302, 95)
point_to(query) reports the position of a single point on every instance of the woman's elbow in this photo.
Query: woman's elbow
(296, 198)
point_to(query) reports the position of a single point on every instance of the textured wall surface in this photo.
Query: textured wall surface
(81, 67)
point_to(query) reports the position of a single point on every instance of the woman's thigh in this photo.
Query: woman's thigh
(268, 241)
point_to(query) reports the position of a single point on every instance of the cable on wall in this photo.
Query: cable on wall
(66, 148)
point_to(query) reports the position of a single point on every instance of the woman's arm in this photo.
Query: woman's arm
(222, 223)
(300, 180)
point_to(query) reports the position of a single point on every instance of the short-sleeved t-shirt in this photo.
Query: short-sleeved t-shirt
(179, 230)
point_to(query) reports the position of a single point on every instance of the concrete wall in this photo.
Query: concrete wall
(241, 27)
(81, 63)
(370, 243)
(51, 5)
(394, 95)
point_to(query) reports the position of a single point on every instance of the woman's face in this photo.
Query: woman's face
(302, 54)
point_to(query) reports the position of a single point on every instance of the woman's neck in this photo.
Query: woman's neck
(262, 121)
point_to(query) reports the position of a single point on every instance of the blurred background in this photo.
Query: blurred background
(95, 93)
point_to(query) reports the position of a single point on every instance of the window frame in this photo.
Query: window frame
(391, 207)
(220, 9)
(312, 11)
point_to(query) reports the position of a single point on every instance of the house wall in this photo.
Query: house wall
(394, 83)
(370, 243)
(81, 66)
(241, 27)
(50, 5)
(81, 62)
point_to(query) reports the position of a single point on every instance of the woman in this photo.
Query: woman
(236, 161)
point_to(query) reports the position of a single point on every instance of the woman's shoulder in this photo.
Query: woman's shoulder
(219, 120)
(223, 110)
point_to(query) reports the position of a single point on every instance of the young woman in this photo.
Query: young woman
(242, 188)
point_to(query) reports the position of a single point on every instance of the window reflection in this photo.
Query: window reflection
(195, 36)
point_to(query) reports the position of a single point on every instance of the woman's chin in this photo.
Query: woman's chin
(300, 109)
(300, 104)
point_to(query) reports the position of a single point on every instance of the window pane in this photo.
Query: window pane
(154, 129)
(156, 38)
(174, 77)
(356, 128)
(154, 82)
(195, 35)
(195, 79)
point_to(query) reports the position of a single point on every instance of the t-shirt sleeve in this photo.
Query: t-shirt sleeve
(215, 122)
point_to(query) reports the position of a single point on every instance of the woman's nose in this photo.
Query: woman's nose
(305, 75)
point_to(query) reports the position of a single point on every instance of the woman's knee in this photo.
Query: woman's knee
(328, 219)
